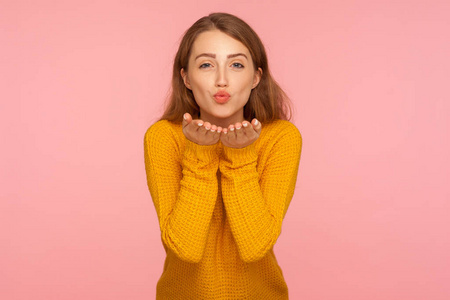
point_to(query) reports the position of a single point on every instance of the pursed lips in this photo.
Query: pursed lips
(221, 97)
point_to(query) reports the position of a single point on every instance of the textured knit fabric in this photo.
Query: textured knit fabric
(220, 211)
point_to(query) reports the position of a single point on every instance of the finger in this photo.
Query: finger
(207, 125)
(214, 134)
(239, 130)
(219, 129)
(248, 130)
(257, 125)
(200, 128)
(187, 119)
(231, 131)
(225, 136)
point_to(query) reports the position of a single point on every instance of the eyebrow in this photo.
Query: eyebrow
(214, 56)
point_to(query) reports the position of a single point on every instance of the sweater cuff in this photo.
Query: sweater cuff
(201, 152)
(240, 155)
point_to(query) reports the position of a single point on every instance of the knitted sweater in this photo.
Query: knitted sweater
(220, 211)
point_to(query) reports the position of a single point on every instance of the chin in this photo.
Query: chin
(224, 116)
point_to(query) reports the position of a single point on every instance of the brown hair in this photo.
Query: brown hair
(267, 102)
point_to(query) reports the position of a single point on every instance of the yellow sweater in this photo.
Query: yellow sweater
(220, 211)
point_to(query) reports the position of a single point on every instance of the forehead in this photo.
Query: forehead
(217, 42)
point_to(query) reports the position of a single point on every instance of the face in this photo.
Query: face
(221, 76)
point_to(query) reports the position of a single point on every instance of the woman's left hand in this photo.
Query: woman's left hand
(241, 135)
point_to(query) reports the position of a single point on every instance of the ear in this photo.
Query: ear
(185, 79)
(257, 77)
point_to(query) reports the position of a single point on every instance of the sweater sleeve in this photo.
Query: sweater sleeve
(183, 187)
(257, 205)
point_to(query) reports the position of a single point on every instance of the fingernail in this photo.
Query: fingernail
(207, 128)
(256, 122)
(238, 127)
(213, 130)
(200, 124)
(232, 129)
(184, 116)
(245, 124)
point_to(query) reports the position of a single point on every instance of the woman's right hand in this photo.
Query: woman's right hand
(199, 132)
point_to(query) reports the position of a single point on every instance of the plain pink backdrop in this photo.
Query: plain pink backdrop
(81, 81)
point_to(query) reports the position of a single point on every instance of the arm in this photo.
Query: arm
(183, 192)
(256, 207)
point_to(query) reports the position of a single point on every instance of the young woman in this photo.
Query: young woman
(222, 166)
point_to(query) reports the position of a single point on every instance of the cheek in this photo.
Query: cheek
(199, 84)
(199, 90)
(245, 83)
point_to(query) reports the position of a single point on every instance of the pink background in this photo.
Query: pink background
(81, 81)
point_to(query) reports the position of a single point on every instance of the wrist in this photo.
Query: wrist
(204, 152)
(245, 153)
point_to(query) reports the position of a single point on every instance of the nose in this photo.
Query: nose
(221, 78)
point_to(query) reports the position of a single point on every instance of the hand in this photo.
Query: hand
(241, 135)
(199, 132)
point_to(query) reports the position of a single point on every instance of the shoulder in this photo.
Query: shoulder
(281, 129)
(277, 137)
(279, 141)
(162, 129)
(163, 132)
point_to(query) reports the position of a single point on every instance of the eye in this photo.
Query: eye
(238, 65)
(205, 65)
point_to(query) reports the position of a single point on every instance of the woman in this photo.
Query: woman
(222, 166)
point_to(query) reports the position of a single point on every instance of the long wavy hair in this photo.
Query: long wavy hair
(267, 102)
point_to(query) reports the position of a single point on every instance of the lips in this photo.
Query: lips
(221, 97)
